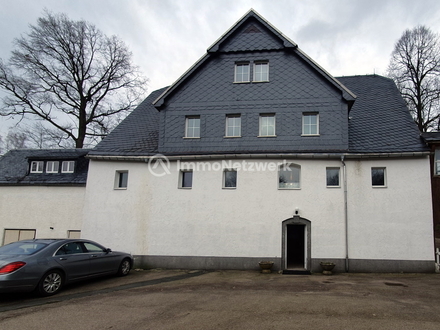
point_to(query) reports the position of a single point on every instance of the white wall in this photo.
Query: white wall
(154, 217)
(41, 207)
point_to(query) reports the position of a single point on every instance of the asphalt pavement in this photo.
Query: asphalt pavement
(180, 299)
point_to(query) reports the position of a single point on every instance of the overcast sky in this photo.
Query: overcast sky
(166, 37)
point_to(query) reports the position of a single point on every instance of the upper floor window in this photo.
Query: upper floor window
(192, 129)
(378, 176)
(437, 162)
(37, 166)
(52, 167)
(261, 71)
(233, 125)
(267, 124)
(310, 124)
(242, 72)
(289, 177)
(333, 176)
(68, 166)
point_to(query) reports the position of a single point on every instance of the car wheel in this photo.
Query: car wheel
(51, 283)
(124, 267)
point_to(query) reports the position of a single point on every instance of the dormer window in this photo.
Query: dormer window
(37, 166)
(68, 166)
(242, 72)
(52, 167)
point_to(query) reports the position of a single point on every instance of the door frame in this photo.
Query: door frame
(297, 220)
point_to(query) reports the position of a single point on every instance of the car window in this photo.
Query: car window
(70, 248)
(21, 248)
(93, 247)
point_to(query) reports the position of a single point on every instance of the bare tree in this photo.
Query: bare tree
(415, 67)
(16, 140)
(72, 77)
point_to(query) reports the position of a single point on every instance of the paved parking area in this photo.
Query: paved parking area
(174, 299)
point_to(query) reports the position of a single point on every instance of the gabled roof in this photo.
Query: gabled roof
(288, 44)
(14, 167)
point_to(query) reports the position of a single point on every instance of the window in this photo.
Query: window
(70, 248)
(121, 180)
(229, 178)
(261, 71)
(52, 167)
(289, 177)
(68, 166)
(14, 235)
(74, 234)
(242, 72)
(437, 162)
(192, 127)
(233, 125)
(310, 124)
(267, 125)
(90, 247)
(37, 166)
(186, 178)
(378, 178)
(333, 176)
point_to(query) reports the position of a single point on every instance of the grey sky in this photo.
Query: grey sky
(346, 37)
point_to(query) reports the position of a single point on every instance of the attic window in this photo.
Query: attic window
(37, 166)
(252, 29)
(242, 72)
(261, 71)
(52, 166)
(68, 166)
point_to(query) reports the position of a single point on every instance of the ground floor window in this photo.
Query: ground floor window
(14, 235)
(378, 177)
(74, 234)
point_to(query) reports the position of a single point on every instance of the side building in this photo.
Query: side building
(258, 153)
(42, 193)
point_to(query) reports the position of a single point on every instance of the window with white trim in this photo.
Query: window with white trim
(37, 166)
(68, 166)
(242, 72)
(74, 234)
(186, 179)
(261, 71)
(332, 174)
(52, 166)
(378, 177)
(230, 178)
(121, 180)
(289, 176)
(437, 161)
(233, 126)
(267, 124)
(192, 129)
(310, 124)
(14, 235)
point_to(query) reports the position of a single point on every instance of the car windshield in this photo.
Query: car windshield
(21, 248)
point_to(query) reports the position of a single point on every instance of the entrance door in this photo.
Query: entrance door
(295, 246)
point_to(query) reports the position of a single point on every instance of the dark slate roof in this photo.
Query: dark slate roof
(137, 134)
(431, 137)
(379, 120)
(14, 167)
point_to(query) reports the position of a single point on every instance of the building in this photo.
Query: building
(258, 153)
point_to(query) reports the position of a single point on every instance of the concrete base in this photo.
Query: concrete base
(243, 263)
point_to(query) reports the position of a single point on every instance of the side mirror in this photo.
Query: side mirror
(107, 250)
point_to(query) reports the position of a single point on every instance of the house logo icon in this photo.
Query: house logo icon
(159, 165)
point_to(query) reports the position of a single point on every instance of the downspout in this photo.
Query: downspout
(344, 170)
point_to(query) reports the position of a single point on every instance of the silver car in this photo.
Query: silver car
(45, 265)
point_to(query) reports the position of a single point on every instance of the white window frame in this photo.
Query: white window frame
(289, 185)
(37, 166)
(263, 117)
(120, 182)
(190, 131)
(231, 122)
(437, 161)
(52, 166)
(307, 124)
(228, 170)
(339, 177)
(259, 75)
(384, 177)
(242, 77)
(182, 174)
(68, 166)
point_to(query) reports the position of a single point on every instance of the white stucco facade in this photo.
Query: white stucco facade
(154, 217)
(41, 207)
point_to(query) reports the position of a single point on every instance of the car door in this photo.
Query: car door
(74, 260)
(102, 261)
